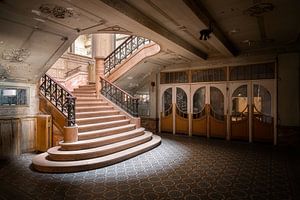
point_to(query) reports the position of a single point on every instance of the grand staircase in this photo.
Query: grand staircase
(106, 136)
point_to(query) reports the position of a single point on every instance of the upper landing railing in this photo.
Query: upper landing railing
(128, 47)
(60, 97)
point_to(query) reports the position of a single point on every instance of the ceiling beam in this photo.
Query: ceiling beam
(140, 17)
(202, 13)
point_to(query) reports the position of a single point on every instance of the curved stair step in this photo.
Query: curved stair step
(96, 113)
(40, 162)
(102, 125)
(90, 103)
(84, 95)
(93, 108)
(101, 141)
(105, 132)
(57, 154)
(83, 99)
(91, 120)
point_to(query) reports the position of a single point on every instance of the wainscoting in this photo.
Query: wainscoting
(17, 135)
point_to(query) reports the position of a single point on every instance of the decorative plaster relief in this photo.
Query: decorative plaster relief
(114, 29)
(56, 11)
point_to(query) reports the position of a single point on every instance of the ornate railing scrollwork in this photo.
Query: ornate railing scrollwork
(128, 47)
(60, 97)
(119, 97)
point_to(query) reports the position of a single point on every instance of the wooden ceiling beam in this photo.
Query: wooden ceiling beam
(140, 17)
(202, 13)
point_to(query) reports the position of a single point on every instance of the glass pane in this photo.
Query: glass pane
(13, 96)
(262, 100)
(239, 101)
(181, 100)
(167, 100)
(199, 100)
(217, 100)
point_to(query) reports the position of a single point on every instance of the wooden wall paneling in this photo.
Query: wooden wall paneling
(44, 133)
(28, 134)
(9, 137)
(262, 131)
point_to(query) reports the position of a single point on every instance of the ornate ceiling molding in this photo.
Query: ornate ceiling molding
(115, 29)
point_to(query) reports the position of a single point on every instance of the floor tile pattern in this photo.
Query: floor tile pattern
(180, 168)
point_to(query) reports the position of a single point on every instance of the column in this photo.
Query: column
(99, 72)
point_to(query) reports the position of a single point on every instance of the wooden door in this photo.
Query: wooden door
(217, 125)
(239, 111)
(199, 110)
(182, 110)
(166, 118)
(263, 109)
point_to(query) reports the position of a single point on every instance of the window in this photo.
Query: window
(10, 96)
(82, 45)
(209, 75)
(253, 72)
(174, 77)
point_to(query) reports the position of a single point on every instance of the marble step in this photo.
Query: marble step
(90, 103)
(96, 113)
(83, 91)
(102, 125)
(42, 164)
(105, 132)
(84, 99)
(92, 108)
(101, 141)
(76, 94)
(92, 120)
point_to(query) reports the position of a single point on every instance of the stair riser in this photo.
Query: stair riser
(92, 121)
(40, 166)
(78, 105)
(82, 115)
(102, 126)
(84, 95)
(77, 90)
(91, 109)
(103, 134)
(96, 154)
(102, 143)
(86, 99)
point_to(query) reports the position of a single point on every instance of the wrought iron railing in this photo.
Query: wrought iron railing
(60, 97)
(128, 47)
(119, 97)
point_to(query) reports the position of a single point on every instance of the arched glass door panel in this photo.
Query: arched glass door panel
(181, 103)
(263, 125)
(239, 100)
(199, 103)
(217, 103)
(167, 102)
(261, 101)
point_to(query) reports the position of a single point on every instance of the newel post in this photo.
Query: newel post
(71, 131)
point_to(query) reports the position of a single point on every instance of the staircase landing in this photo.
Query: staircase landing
(105, 137)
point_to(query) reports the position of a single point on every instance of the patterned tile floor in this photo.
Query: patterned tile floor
(180, 168)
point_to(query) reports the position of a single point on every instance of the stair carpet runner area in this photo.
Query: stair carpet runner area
(105, 137)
